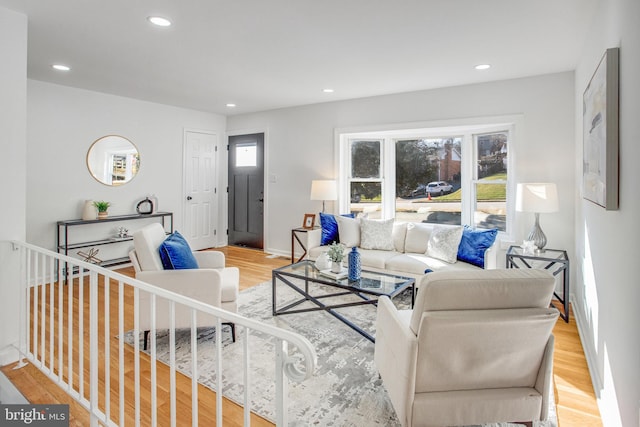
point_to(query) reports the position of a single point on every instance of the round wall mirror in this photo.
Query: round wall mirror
(113, 160)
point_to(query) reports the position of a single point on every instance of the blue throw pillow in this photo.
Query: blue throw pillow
(176, 254)
(329, 227)
(474, 244)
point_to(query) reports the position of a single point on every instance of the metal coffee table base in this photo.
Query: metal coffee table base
(330, 308)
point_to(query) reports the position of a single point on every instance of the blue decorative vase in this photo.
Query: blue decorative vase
(355, 265)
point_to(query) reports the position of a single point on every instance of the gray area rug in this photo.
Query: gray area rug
(345, 390)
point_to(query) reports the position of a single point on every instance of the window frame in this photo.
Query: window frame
(468, 129)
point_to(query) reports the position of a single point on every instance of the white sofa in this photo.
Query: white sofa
(409, 254)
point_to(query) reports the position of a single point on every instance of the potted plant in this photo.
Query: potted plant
(335, 254)
(102, 208)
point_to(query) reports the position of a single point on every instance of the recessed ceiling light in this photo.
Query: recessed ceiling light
(482, 67)
(61, 67)
(230, 105)
(159, 21)
(327, 90)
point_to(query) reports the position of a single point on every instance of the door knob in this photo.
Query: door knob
(189, 197)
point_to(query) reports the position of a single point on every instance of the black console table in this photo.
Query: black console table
(63, 244)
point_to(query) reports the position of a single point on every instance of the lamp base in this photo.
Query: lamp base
(536, 234)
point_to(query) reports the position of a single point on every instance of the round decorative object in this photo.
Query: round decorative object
(355, 265)
(145, 207)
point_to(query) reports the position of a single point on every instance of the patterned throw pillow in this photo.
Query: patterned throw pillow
(376, 234)
(443, 243)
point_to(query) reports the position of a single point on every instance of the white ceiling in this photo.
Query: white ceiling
(266, 54)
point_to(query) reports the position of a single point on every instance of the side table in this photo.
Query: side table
(554, 260)
(296, 234)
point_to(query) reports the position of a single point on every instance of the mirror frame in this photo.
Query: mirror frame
(109, 157)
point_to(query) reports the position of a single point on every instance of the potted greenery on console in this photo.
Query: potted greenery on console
(336, 254)
(103, 208)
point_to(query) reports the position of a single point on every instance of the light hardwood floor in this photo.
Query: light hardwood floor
(575, 399)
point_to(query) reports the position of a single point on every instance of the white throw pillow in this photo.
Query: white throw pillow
(443, 243)
(376, 234)
(348, 230)
(417, 237)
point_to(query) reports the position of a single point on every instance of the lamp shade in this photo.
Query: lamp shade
(324, 189)
(540, 197)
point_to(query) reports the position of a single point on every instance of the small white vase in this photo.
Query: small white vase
(336, 267)
(89, 211)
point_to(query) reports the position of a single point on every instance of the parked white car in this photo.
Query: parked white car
(438, 188)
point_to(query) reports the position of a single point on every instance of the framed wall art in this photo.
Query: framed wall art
(600, 133)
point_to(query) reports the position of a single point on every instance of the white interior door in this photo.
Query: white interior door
(201, 195)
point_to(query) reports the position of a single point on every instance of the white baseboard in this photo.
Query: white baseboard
(589, 355)
(592, 363)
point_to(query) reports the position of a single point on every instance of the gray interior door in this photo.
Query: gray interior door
(246, 190)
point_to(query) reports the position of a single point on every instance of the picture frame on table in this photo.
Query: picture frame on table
(600, 133)
(309, 221)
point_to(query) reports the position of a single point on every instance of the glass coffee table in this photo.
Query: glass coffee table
(304, 278)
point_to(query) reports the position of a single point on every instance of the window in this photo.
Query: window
(246, 155)
(365, 186)
(428, 180)
(446, 175)
(490, 182)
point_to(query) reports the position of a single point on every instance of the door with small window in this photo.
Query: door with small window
(246, 190)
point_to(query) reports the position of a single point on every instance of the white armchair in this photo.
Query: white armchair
(476, 348)
(211, 283)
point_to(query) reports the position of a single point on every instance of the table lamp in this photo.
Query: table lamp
(540, 197)
(324, 189)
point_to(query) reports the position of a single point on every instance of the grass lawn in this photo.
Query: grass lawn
(486, 192)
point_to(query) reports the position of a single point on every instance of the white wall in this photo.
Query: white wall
(300, 144)
(63, 122)
(13, 119)
(608, 295)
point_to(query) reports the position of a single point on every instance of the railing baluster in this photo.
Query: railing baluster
(93, 345)
(27, 314)
(38, 326)
(70, 328)
(172, 361)
(60, 326)
(80, 329)
(107, 350)
(121, 350)
(154, 403)
(136, 355)
(281, 384)
(247, 379)
(51, 316)
(43, 314)
(218, 371)
(194, 370)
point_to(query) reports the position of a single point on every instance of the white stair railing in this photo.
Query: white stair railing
(57, 337)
